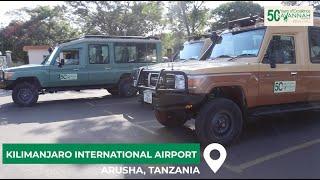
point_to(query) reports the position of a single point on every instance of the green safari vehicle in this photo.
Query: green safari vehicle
(89, 62)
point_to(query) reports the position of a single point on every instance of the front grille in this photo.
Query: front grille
(143, 79)
(153, 78)
(169, 81)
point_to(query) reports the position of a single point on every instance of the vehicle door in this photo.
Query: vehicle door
(73, 72)
(280, 72)
(313, 74)
(99, 64)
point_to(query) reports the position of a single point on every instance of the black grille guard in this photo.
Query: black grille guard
(162, 74)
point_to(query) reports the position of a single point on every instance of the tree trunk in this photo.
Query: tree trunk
(182, 6)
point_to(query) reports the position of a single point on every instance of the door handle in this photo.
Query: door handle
(107, 68)
(294, 73)
(76, 69)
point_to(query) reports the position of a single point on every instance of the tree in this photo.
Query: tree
(315, 4)
(117, 17)
(233, 10)
(189, 17)
(46, 26)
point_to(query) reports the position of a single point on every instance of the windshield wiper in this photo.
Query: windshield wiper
(242, 55)
(221, 56)
(184, 60)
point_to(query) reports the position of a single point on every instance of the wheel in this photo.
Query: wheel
(113, 91)
(25, 94)
(171, 118)
(220, 121)
(126, 89)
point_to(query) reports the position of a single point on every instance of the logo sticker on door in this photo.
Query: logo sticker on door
(68, 77)
(284, 86)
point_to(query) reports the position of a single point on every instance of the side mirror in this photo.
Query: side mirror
(272, 63)
(215, 38)
(61, 63)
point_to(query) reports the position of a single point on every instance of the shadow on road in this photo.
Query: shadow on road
(56, 110)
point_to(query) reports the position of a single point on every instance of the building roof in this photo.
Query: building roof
(39, 47)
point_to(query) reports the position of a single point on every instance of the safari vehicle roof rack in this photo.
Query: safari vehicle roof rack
(109, 37)
(66, 40)
(121, 37)
(199, 36)
(246, 21)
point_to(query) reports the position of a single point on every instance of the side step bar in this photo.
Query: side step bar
(276, 109)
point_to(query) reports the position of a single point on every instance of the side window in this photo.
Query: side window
(281, 50)
(135, 52)
(314, 45)
(71, 57)
(98, 54)
(151, 53)
(125, 53)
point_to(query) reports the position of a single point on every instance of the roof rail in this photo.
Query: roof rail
(246, 21)
(121, 37)
(66, 40)
(108, 37)
(199, 36)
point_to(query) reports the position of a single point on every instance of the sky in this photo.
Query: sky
(7, 6)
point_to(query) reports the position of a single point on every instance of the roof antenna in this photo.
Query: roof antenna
(172, 64)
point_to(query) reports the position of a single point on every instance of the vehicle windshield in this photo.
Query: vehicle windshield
(190, 51)
(48, 61)
(239, 43)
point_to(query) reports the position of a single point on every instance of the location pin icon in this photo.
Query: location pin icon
(215, 164)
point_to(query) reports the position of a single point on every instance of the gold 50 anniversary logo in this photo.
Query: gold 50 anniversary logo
(288, 16)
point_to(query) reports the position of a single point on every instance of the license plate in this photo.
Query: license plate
(147, 96)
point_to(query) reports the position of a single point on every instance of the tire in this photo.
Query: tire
(171, 118)
(219, 121)
(113, 91)
(25, 94)
(126, 89)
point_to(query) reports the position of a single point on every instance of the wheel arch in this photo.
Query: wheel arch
(125, 76)
(31, 79)
(236, 93)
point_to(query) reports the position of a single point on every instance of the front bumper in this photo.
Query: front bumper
(5, 84)
(170, 99)
(176, 101)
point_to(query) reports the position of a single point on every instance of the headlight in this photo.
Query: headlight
(8, 75)
(179, 82)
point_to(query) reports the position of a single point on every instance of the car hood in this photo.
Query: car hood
(203, 67)
(28, 67)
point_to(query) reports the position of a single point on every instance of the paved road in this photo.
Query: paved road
(284, 146)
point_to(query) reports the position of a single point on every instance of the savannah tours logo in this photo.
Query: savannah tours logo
(288, 16)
